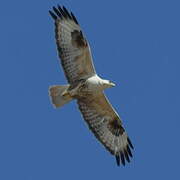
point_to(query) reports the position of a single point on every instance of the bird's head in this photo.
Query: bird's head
(108, 84)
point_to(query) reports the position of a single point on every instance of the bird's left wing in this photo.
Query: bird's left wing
(73, 47)
(106, 125)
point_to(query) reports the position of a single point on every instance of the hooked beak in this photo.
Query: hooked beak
(112, 84)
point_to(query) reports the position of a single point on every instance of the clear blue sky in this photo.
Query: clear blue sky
(136, 44)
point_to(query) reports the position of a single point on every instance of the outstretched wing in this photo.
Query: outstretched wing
(106, 125)
(72, 46)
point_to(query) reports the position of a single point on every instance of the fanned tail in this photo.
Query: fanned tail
(58, 95)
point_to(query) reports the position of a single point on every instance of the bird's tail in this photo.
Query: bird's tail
(59, 95)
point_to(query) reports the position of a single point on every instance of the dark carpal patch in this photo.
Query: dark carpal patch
(77, 39)
(115, 127)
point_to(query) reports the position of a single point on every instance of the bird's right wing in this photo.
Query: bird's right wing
(73, 48)
(106, 125)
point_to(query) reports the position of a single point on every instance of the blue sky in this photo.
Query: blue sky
(135, 44)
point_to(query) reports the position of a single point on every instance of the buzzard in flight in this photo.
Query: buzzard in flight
(86, 87)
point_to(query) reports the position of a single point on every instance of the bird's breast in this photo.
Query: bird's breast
(93, 84)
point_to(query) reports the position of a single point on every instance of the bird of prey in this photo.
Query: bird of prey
(86, 87)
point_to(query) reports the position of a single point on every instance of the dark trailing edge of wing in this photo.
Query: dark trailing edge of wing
(62, 13)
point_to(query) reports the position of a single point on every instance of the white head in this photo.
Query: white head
(107, 84)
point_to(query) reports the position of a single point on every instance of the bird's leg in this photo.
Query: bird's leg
(65, 93)
(74, 91)
(77, 89)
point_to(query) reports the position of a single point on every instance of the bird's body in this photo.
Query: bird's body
(86, 87)
(93, 85)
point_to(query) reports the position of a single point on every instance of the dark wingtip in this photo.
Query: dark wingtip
(126, 156)
(122, 158)
(129, 151)
(57, 12)
(74, 18)
(53, 15)
(117, 160)
(59, 7)
(62, 11)
(129, 141)
(66, 11)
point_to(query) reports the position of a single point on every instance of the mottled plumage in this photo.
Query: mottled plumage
(86, 87)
